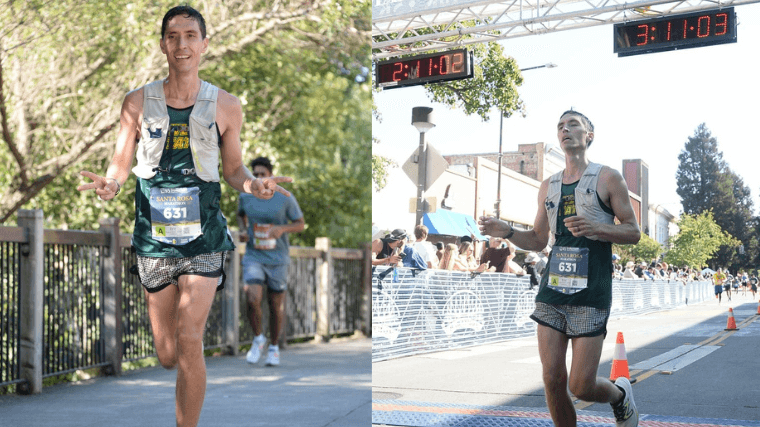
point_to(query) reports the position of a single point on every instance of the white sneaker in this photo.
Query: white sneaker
(254, 354)
(273, 358)
(626, 414)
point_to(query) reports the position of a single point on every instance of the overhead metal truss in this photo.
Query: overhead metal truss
(440, 28)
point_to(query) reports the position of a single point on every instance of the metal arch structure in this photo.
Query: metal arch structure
(434, 25)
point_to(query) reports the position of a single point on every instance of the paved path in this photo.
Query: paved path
(690, 372)
(316, 385)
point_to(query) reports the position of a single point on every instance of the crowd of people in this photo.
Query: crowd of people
(495, 255)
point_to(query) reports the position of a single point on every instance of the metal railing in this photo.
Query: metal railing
(419, 312)
(68, 301)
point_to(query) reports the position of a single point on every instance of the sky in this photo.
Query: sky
(643, 107)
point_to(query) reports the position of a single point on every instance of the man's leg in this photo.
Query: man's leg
(276, 314)
(253, 297)
(552, 348)
(584, 382)
(162, 308)
(196, 294)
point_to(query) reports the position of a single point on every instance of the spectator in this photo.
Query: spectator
(385, 250)
(439, 251)
(543, 257)
(629, 271)
(424, 248)
(512, 266)
(410, 257)
(640, 269)
(496, 254)
(450, 255)
(530, 267)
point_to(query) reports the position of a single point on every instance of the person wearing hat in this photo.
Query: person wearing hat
(384, 250)
(628, 273)
(530, 268)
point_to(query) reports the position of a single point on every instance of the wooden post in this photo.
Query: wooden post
(324, 262)
(31, 299)
(231, 301)
(112, 296)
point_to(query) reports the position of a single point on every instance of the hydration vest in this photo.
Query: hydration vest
(586, 200)
(204, 143)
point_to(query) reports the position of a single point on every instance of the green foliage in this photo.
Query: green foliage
(698, 239)
(646, 249)
(380, 167)
(493, 86)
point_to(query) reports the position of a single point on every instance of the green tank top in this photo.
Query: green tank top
(175, 170)
(598, 294)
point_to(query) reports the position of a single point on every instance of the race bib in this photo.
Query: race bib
(175, 215)
(568, 270)
(261, 240)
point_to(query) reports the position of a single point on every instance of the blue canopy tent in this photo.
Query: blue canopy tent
(451, 224)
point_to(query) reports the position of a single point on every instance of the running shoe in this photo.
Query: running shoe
(626, 414)
(257, 346)
(273, 358)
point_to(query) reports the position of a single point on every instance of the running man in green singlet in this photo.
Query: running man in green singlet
(179, 127)
(577, 207)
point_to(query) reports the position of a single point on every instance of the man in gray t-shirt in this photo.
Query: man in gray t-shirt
(265, 225)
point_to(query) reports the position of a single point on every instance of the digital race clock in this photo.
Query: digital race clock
(422, 69)
(676, 32)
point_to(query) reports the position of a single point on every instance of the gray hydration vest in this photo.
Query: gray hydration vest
(586, 200)
(204, 143)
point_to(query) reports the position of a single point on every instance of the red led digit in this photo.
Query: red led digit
(685, 25)
(400, 69)
(669, 23)
(723, 24)
(446, 57)
(699, 27)
(458, 65)
(644, 36)
(430, 66)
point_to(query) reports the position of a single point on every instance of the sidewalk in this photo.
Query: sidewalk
(316, 385)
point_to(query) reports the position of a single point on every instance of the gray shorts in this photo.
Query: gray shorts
(572, 320)
(158, 273)
(274, 276)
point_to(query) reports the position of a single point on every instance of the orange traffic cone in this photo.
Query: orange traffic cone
(758, 308)
(619, 360)
(731, 325)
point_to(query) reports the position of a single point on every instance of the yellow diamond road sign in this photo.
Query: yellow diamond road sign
(436, 165)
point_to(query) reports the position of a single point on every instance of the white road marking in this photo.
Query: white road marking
(676, 359)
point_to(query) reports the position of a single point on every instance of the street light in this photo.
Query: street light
(497, 205)
(422, 119)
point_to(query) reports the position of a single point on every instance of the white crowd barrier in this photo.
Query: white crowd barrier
(415, 312)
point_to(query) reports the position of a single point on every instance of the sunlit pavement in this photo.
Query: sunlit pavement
(315, 385)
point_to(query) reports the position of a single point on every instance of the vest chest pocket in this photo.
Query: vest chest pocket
(585, 200)
(154, 131)
(205, 147)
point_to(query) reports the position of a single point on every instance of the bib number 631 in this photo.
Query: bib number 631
(567, 267)
(170, 213)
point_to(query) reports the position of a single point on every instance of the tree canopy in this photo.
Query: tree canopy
(300, 70)
(707, 183)
(698, 239)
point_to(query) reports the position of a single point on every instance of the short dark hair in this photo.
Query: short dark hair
(586, 122)
(186, 11)
(261, 161)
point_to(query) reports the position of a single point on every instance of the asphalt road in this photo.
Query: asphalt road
(686, 365)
